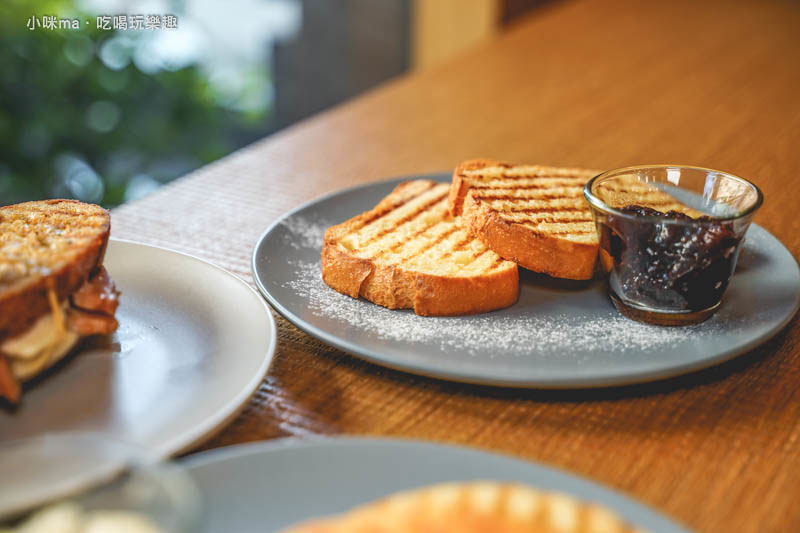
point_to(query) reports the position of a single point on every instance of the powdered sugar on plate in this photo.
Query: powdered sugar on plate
(303, 233)
(509, 333)
(515, 331)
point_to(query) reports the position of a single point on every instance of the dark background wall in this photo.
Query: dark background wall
(343, 48)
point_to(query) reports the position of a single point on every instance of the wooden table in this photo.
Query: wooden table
(586, 83)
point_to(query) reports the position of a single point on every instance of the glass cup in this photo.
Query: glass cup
(670, 236)
(88, 482)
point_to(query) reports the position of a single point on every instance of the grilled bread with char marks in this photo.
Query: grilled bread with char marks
(533, 215)
(475, 507)
(409, 252)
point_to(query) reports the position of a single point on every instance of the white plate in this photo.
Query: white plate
(558, 334)
(264, 487)
(193, 345)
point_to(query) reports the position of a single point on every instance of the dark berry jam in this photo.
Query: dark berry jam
(680, 266)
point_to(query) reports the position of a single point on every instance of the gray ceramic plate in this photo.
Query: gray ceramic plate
(193, 344)
(265, 487)
(558, 335)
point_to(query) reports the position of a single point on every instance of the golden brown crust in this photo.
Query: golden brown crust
(398, 286)
(24, 298)
(473, 507)
(540, 252)
(442, 296)
(9, 385)
(342, 271)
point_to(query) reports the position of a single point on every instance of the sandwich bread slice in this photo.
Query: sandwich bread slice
(473, 507)
(533, 215)
(409, 252)
(53, 287)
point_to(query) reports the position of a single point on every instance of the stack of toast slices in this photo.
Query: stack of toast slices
(453, 249)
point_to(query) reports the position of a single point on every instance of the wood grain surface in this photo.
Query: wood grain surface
(582, 83)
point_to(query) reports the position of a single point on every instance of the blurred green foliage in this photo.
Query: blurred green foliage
(72, 126)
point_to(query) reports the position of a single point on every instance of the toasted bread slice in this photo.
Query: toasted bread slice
(409, 252)
(46, 244)
(475, 507)
(533, 215)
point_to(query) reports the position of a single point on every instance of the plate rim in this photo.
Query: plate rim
(616, 380)
(201, 433)
(323, 442)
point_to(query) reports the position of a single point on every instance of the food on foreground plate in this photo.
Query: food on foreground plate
(409, 252)
(53, 287)
(533, 215)
(472, 507)
(70, 518)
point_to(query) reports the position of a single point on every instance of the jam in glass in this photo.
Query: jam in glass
(670, 236)
(685, 267)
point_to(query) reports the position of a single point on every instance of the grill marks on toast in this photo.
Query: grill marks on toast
(395, 248)
(533, 215)
(547, 201)
(412, 192)
(412, 254)
(419, 234)
(450, 255)
(394, 228)
(510, 198)
(410, 217)
(571, 232)
(543, 182)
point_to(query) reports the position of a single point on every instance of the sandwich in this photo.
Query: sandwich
(409, 252)
(533, 215)
(473, 507)
(54, 289)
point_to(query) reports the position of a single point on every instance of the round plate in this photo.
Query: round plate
(194, 342)
(560, 334)
(269, 486)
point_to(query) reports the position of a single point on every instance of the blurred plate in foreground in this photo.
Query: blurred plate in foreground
(269, 486)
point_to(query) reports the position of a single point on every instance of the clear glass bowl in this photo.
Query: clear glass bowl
(670, 236)
(80, 482)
